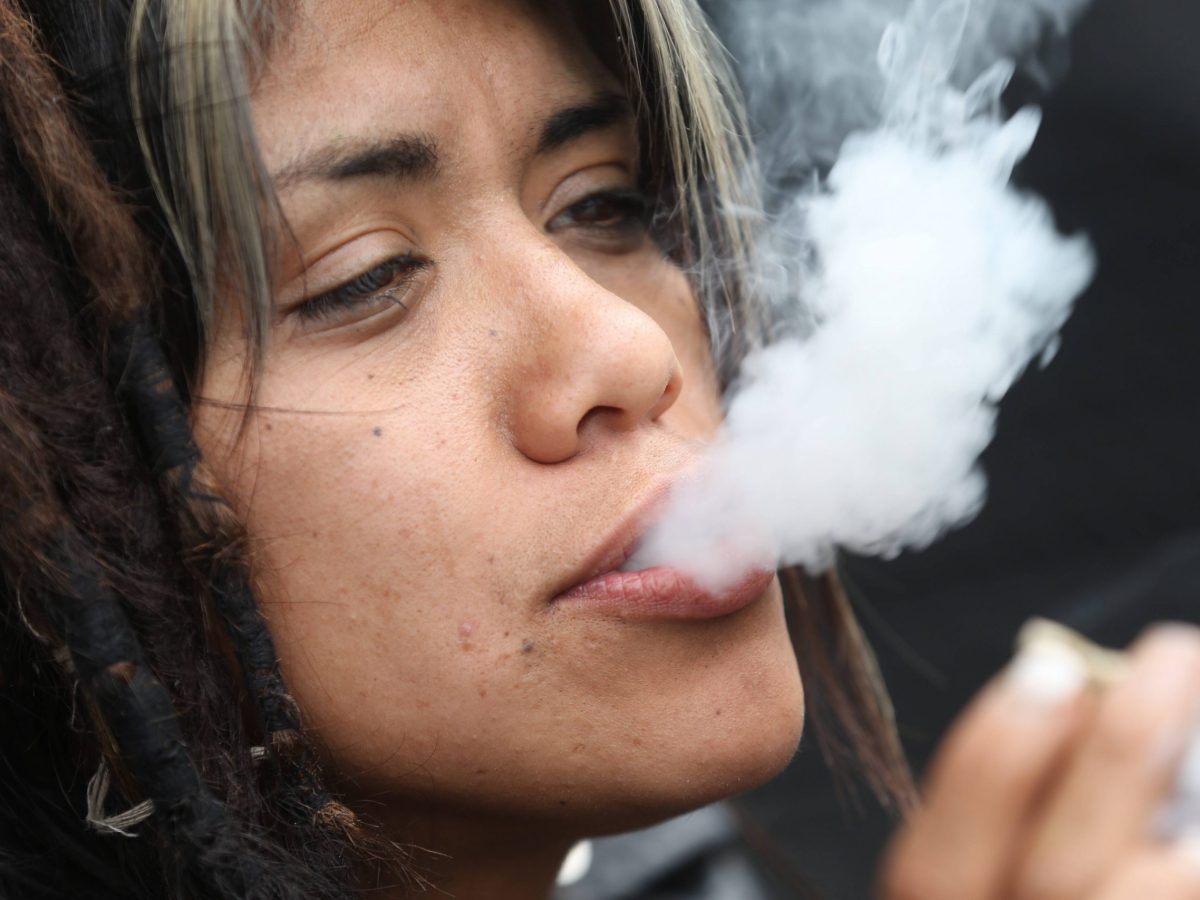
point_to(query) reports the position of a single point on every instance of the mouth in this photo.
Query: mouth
(659, 593)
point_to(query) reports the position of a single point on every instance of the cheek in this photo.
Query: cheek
(362, 580)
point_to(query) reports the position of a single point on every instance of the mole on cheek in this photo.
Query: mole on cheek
(377, 431)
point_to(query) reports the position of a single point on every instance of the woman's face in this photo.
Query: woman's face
(480, 370)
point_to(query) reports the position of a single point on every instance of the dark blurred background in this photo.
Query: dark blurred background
(1094, 509)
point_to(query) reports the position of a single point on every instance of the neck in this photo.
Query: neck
(480, 859)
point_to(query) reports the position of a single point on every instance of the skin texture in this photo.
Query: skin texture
(419, 483)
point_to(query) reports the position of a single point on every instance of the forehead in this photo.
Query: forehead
(441, 67)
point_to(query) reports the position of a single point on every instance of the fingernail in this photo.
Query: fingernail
(1047, 675)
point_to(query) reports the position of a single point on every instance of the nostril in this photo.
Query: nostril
(614, 416)
(670, 393)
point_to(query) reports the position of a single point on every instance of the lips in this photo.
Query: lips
(663, 593)
(655, 594)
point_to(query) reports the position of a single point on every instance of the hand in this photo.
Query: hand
(1047, 790)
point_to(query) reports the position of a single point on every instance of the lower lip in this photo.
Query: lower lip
(663, 594)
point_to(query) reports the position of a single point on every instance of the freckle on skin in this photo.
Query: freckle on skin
(268, 426)
(526, 646)
(377, 431)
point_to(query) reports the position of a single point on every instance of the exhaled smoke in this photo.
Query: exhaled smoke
(926, 286)
(814, 59)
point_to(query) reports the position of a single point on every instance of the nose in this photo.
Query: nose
(592, 363)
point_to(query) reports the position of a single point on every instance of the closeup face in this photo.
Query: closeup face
(480, 372)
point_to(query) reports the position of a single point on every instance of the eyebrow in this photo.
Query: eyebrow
(414, 157)
(406, 157)
(602, 111)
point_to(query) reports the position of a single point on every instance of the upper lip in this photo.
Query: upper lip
(621, 541)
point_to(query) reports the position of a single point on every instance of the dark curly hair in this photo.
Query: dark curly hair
(135, 669)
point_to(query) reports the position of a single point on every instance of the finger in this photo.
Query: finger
(1120, 773)
(986, 779)
(1158, 874)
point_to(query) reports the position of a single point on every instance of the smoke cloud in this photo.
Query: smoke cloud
(913, 285)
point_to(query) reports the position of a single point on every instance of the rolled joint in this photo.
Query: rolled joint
(1102, 665)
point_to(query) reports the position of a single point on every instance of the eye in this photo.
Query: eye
(385, 285)
(613, 216)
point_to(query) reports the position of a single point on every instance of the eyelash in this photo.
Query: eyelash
(388, 279)
(385, 280)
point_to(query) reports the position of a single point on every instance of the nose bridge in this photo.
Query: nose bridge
(589, 360)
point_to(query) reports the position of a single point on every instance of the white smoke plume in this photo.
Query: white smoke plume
(814, 58)
(926, 286)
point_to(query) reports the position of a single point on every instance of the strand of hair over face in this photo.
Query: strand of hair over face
(682, 80)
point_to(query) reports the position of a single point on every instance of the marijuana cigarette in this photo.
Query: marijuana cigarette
(1104, 666)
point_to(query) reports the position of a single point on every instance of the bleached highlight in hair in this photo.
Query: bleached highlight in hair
(712, 164)
(203, 162)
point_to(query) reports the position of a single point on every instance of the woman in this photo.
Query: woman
(400, 339)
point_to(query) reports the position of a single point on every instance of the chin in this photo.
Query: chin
(709, 780)
(754, 744)
(710, 759)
